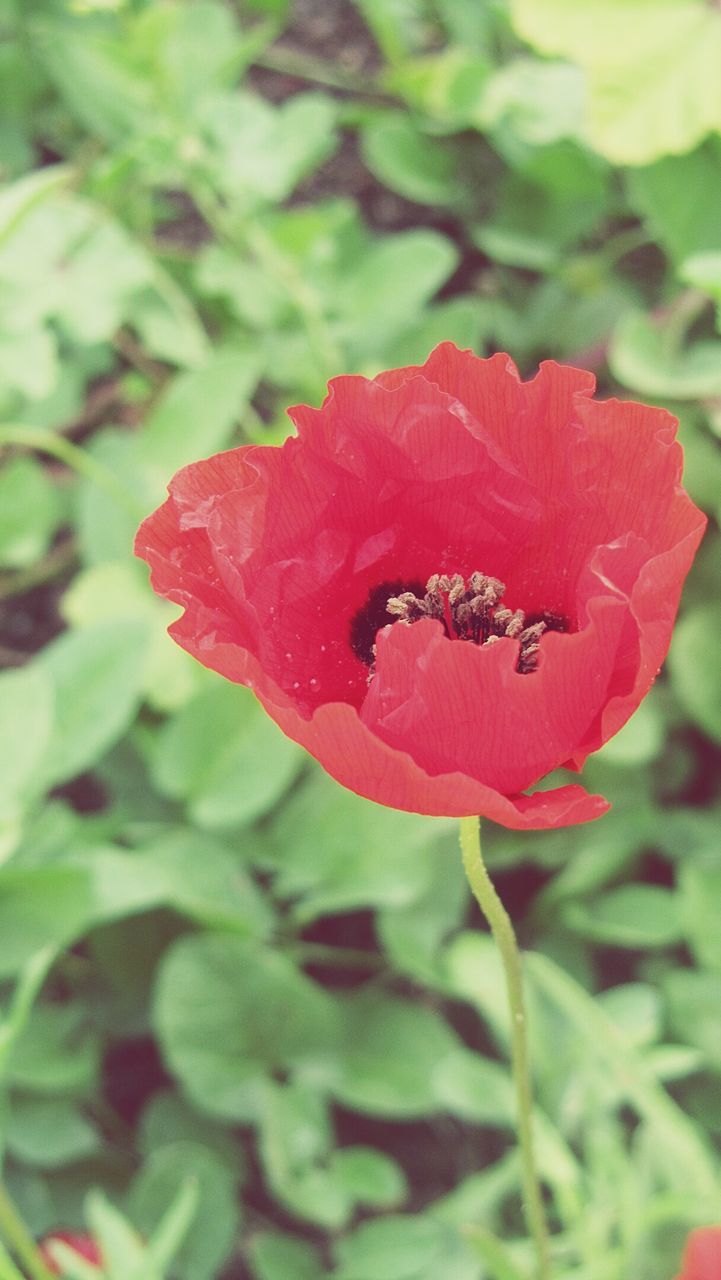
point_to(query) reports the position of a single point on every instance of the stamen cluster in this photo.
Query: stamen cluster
(472, 611)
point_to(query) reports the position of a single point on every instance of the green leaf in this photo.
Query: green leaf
(636, 915)
(169, 1119)
(447, 86)
(692, 999)
(17, 199)
(535, 102)
(703, 272)
(640, 358)
(26, 723)
(410, 162)
(635, 1008)
(371, 1179)
(95, 77)
(680, 199)
(397, 25)
(393, 280)
(202, 879)
(49, 1132)
(213, 1228)
(226, 1013)
(96, 676)
(700, 887)
(696, 681)
(198, 411)
(390, 1052)
(119, 590)
(59, 903)
(294, 1145)
(653, 87)
(277, 1257)
(640, 740)
(56, 1053)
(29, 512)
(475, 1089)
(405, 1248)
(332, 851)
(606, 1051)
(258, 153)
(225, 758)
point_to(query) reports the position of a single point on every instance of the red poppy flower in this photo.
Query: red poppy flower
(532, 543)
(83, 1245)
(702, 1255)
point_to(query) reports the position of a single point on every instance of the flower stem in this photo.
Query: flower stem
(505, 939)
(17, 1236)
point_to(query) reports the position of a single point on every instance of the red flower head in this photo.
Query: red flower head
(448, 584)
(702, 1255)
(83, 1245)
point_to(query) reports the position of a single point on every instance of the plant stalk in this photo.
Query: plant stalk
(504, 936)
(16, 1235)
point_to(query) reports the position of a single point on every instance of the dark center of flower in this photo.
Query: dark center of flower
(468, 610)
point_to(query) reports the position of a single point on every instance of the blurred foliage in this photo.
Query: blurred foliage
(250, 1026)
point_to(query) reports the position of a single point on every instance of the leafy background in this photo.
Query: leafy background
(213, 960)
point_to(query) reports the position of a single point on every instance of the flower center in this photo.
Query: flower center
(468, 610)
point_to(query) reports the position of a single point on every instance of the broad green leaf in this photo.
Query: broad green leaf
(95, 77)
(332, 851)
(410, 162)
(653, 87)
(392, 281)
(169, 1119)
(692, 1000)
(49, 1132)
(257, 152)
(58, 903)
(447, 86)
(475, 1089)
(703, 272)
(294, 1143)
(535, 102)
(680, 199)
(277, 1257)
(198, 411)
(96, 676)
(697, 681)
(635, 1008)
(226, 1013)
(29, 512)
(390, 1051)
(56, 1052)
(641, 358)
(397, 25)
(700, 887)
(635, 915)
(213, 1228)
(372, 1179)
(26, 723)
(405, 1248)
(19, 197)
(223, 756)
(641, 738)
(119, 590)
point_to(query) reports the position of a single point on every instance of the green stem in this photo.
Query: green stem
(72, 456)
(14, 1231)
(294, 62)
(505, 939)
(8, 1270)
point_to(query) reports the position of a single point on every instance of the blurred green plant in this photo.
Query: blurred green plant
(241, 1008)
